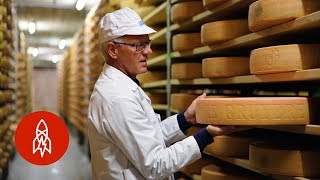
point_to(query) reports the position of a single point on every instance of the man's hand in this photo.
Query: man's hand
(224, 130)
(190, 113)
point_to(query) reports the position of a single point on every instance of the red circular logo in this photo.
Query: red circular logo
(42, 138)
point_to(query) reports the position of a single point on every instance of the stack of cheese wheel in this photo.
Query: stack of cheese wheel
(183, 11)
(267, 13)
(257, 111)
(213, 172)
(225, 67)
(186, 41)
(181, 101)
(283, 158)
(209, 4)
(220, 31)
(157, 97)
(195, 167)
(284, 58)
(151, 76)
(186, 70)
(233, 145)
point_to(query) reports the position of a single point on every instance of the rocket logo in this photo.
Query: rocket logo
(41, 138)
(42, 142)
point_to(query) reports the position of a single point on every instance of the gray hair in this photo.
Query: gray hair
(104, 46)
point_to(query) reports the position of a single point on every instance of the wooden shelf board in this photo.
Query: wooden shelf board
(155, 13)
(304, 75)
(257, 39)
(308, 129)
(161, 107)
(156, 84)
(157, 61)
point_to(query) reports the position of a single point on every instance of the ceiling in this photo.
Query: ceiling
(55, 20)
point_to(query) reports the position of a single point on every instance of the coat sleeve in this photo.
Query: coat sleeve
(171, 130)
(137, 138)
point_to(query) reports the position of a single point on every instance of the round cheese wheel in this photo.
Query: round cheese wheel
(210, 4)
(151, 76)
(284, 58)
(225, 67)
(195, 167)
(3, 10)
(289, 160)
(267, 13)
(186, 70)
(3, 27)
(256, 111)
(183, 11)
(157, 98)
(220, 31)
(181, 101)
(186, 41)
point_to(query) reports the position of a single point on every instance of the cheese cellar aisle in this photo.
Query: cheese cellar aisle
(258, 61)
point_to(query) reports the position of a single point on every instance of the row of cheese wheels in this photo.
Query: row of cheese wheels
(267, 60)
(262, 13)
(269, 152)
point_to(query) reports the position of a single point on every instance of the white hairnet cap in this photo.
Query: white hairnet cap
(122, 22)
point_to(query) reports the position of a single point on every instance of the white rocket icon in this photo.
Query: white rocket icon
(42, 141)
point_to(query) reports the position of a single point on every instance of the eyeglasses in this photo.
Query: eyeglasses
(140, 46)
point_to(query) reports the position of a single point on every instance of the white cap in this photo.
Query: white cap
(122, 22)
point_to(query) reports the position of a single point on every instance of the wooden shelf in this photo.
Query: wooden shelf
(160, 107)
(148, 2)
(155, 84)
(158, 61)
(305, 75)
(159, 37)
(245, 163)
(157, 15)
(308, 129)
(258, 39)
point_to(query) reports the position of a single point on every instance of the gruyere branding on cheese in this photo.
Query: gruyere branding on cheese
(225, 67)
(285, 159)
(209, 4)
(186, 41)
(183, 11)
(268, 13)
(256, 111)
(186, 70)
(284, 58)
(220, 31)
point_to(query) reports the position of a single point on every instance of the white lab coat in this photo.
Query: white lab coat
(127, 138)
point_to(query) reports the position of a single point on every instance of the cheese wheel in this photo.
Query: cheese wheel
(267, 13)
(195, 167)
(151, 76)
(187, 41)
(186, 70)
(3, 10)
(284, 58)
(230, 146)
(3, 27)
(282, 159)
(210, 4)
(220, 31)
(256, 111)
(157, 98)
(181, 101)
(156, 53)
(225, 67)
(183, 11)
(213, 172)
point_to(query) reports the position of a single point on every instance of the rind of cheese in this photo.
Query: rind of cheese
(195, 167)
(257, 111)
(157, 98)
(285, 58)
(209, 4)
(288, 161)
(220, 31)
(212, 171)
(230, 146)
(225, 67)
(183, 11)
(181, 101)
(186, 70)
(267, 13)
(186, 41)
(151, 76)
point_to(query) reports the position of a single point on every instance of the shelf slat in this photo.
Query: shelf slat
(160, 107)
(304, 75)
(155, 14)
(258, 39)
(158, 61)
(155, 84)
(308, 129)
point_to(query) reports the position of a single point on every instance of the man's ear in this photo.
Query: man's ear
(111, 50)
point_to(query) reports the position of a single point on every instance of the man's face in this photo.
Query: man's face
(131, 61)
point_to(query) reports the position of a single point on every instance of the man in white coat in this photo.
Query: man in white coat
(127, 138)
